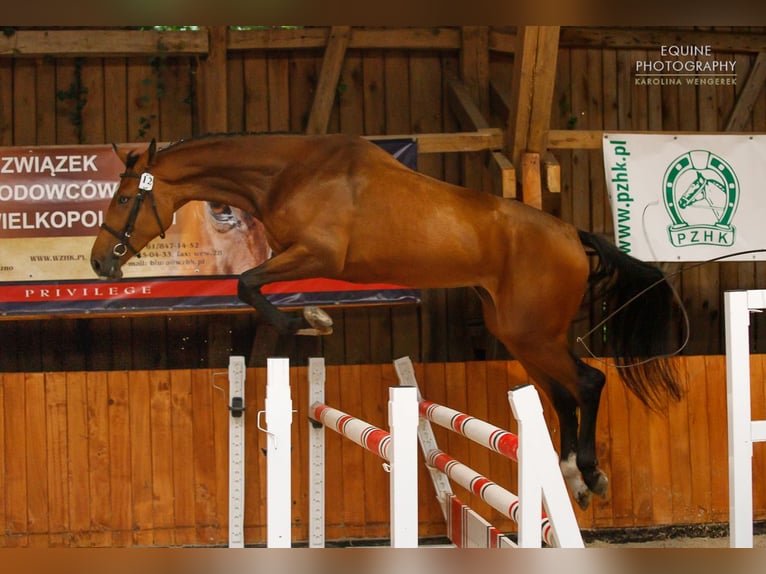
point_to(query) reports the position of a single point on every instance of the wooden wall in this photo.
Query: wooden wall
(391, 81)
(140, 458)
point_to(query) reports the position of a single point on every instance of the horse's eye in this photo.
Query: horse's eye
(223, 218)
(123, 199)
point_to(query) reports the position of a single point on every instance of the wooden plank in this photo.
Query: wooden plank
(414, 38)
(116, 113)
(15, 485)
(24, 128)
(396, 92)
(575, 139)
(699, 450)
(621, 479)
(256, 92)
(99, 463)
(464, 105)
(544, 79)
(120, 447)
(748, 95)
(3, 474)
(658, 438)
(57, 446)
(6, 102)
(212, 83)
(522, 92)
(351, 467)
(235, 92)
(279, 93)
(715, 371)
(327, 84)
(79, 467)
(503, 174)
(45, 104)
(375, 496)
(680, 452)
(36, 457)
(206, 512)
(334, 485)
(141, 458)
(35, 43)
(531, 184)
(182, 444)
(162, 456)
(373, 82)
(437, 142)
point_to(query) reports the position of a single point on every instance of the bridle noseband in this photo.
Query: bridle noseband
(145, 187)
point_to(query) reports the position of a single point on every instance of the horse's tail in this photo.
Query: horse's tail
(638, 333)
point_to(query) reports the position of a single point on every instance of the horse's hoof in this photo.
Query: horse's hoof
(582, 499)
(320, 322)
(601, 486)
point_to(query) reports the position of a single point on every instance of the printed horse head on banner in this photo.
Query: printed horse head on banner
(340, 207)
(700, 190)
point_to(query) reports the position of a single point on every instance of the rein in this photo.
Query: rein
(145, 187)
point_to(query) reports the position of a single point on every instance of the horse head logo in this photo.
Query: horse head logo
(701, 192)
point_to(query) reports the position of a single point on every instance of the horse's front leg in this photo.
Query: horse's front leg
(295, 263)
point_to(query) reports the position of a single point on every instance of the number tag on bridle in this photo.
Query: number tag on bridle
(146, 182)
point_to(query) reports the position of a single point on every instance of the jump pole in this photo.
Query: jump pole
(540, 479)
(398, 448)
(743, 431)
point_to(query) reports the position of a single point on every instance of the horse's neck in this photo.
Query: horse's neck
(240, 175)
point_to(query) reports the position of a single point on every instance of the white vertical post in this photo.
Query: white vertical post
(236, 452)
(316, 457)
(737, 315)
(279, 416)
(403, 420)
(540, 478)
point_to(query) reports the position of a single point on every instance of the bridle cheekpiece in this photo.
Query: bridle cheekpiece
(145, 188)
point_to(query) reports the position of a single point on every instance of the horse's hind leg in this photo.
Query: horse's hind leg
(294, 263)
(565, 406)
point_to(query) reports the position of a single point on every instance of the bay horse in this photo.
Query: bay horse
(340, 207)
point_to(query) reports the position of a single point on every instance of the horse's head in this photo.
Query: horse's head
(693, 193)
(135, 216)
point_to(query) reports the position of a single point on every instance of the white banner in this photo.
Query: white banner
(687, 197)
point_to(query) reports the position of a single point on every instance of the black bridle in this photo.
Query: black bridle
(145, 187)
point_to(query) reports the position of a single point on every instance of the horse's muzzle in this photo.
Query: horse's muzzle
(108, 269)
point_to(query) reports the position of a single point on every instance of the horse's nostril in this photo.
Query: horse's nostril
(96, 265)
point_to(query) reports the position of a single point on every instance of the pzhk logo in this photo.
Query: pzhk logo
(700, 190)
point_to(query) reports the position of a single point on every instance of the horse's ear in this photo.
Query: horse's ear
(122, 152)
(152, 151)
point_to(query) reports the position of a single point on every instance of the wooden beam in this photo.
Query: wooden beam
(552, 171)
(489, 139)
(743, 108)
(544, 82)
(431, 38)
(575, 139)
(71, 43)
(212, 83)
(531, 182)
(462, 104)
(329, 75)
(503, 174)
(522, 90)
(499, 101)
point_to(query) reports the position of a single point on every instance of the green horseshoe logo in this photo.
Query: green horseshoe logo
(700, 180)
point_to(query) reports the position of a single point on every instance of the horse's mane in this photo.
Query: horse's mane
(212, 135)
